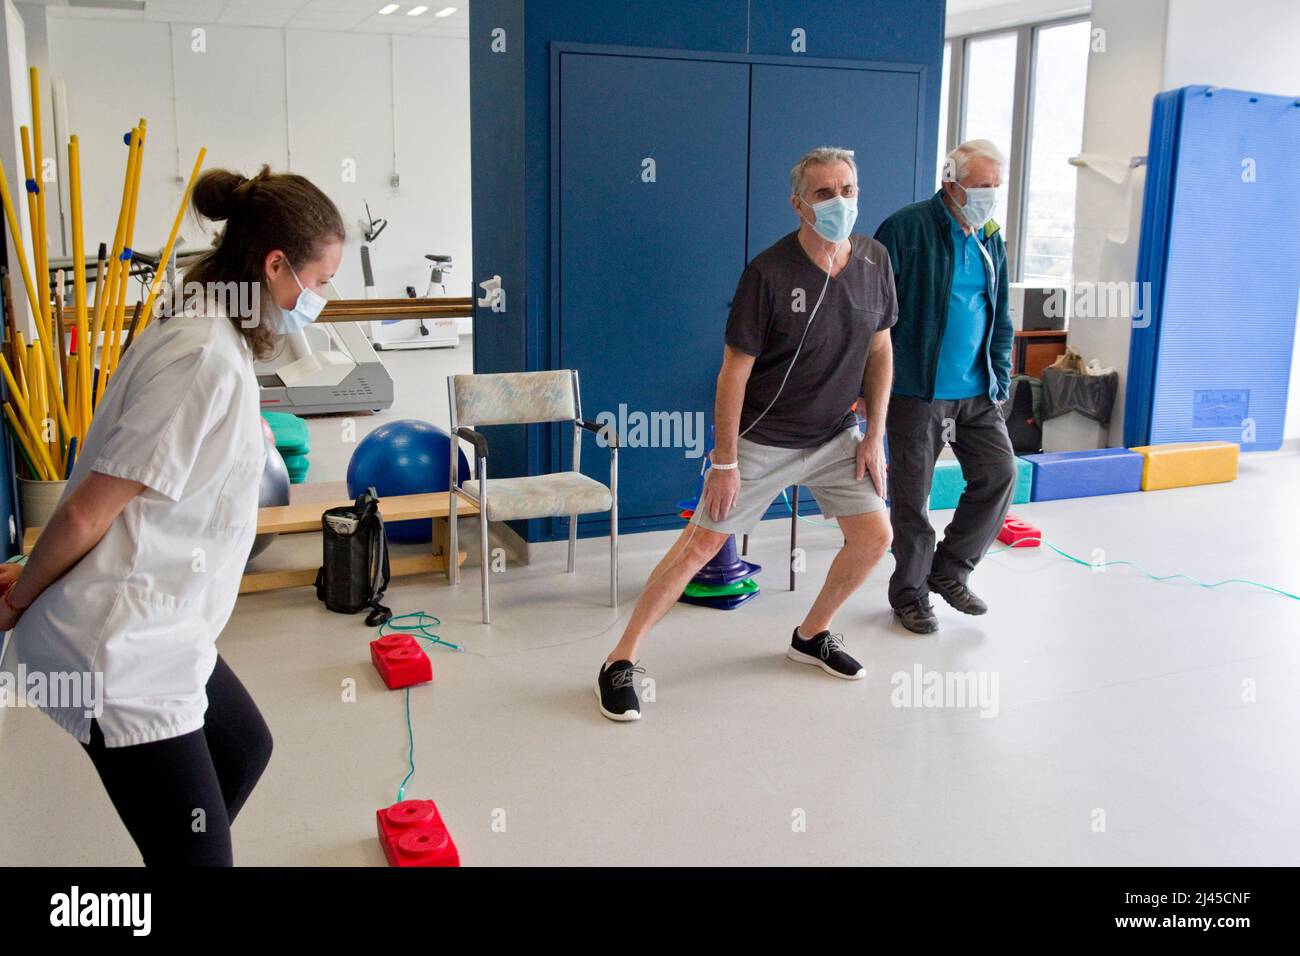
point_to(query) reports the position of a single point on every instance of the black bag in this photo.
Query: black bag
(1023, 416)
(1092, 396)
(355, 573)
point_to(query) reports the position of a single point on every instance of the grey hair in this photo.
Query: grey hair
(954, 167)
(822, 155)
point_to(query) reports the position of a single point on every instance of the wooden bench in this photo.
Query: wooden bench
(306, 517)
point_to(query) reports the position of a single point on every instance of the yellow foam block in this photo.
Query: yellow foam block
(1188, 463)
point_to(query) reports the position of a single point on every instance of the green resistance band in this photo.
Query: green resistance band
(420, 628)
(1156, 577)
(410, 753)
(422, 622)
(1132, 564)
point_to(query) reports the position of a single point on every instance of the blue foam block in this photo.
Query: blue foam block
(1082, 474)
(949, 483)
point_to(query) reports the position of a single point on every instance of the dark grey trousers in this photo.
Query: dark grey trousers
(917, 431)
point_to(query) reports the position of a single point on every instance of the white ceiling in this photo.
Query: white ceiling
(342, 15)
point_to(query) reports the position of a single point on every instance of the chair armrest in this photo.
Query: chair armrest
(611, 437)
(474, 438)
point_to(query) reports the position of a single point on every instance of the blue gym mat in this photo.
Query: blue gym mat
(1221, 250)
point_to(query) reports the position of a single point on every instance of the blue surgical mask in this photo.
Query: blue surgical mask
(834, 217)
(980, 203)
(304, 312)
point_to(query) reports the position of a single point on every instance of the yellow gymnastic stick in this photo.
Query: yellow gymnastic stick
(120, 315)
(79, 395)
(101, 267)
(40, 405)
(147, 312)
(40, 238)
(73, 369)
(38, 307)
(25, 441)
(20, 356)
(104, 309)
(41, 317)
(11, 216)
(37, 406)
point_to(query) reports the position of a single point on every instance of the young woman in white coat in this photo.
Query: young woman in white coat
(137, 571)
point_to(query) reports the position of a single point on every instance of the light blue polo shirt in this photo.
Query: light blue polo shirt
(963, 372)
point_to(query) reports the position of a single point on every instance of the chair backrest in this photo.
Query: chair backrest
(514, 398)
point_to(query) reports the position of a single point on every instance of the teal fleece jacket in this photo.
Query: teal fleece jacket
(920, 250)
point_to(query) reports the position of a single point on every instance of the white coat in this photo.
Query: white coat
(145, 606)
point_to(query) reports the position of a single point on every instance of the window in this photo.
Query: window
(1056, 134)
(1023, 88)
(991, 99)
(943, 113)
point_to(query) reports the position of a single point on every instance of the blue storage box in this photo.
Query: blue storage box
(1082, 474)
(949, 483)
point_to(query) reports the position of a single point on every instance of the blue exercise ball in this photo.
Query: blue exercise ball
(407, 457)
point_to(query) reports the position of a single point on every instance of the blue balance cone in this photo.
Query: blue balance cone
(726, 567)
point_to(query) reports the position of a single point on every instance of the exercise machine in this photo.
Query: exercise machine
(417, 331)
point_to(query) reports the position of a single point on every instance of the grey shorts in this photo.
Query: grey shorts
(829, 472)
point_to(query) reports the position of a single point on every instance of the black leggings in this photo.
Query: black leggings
(178, 797)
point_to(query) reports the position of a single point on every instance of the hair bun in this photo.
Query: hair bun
(218, 193)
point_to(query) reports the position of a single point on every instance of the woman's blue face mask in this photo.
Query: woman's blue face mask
(304, 312)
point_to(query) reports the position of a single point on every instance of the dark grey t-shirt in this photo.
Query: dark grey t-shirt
(776, 295)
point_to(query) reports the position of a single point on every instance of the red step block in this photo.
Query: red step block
(1019, 533)
(412, 834)
(401, 661)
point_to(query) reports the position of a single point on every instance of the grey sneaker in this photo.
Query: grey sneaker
(918, 617)
(956, 594)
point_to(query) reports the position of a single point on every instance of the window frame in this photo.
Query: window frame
(1016, 178)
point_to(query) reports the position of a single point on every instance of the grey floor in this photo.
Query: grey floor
(1136, 722)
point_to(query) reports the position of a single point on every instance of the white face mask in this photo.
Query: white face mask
(979, 206)
(304, 312)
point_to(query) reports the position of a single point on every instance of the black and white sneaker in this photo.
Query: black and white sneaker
(826, 650)
(616, 690)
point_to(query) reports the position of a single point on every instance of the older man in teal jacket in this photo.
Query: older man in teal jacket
(952, 371)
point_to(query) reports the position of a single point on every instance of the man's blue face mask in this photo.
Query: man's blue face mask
(979, 205)
(834, 217)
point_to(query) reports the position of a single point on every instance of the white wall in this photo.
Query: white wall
(15, 111)
(332, 121)
(1122, 80)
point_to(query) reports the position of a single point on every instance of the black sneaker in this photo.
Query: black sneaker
(918, 617)
(956, 594)
(826, 650)
(615, 690)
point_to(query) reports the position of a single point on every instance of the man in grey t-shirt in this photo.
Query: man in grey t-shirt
(807, 341)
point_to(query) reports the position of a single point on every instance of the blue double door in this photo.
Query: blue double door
(669, 174)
